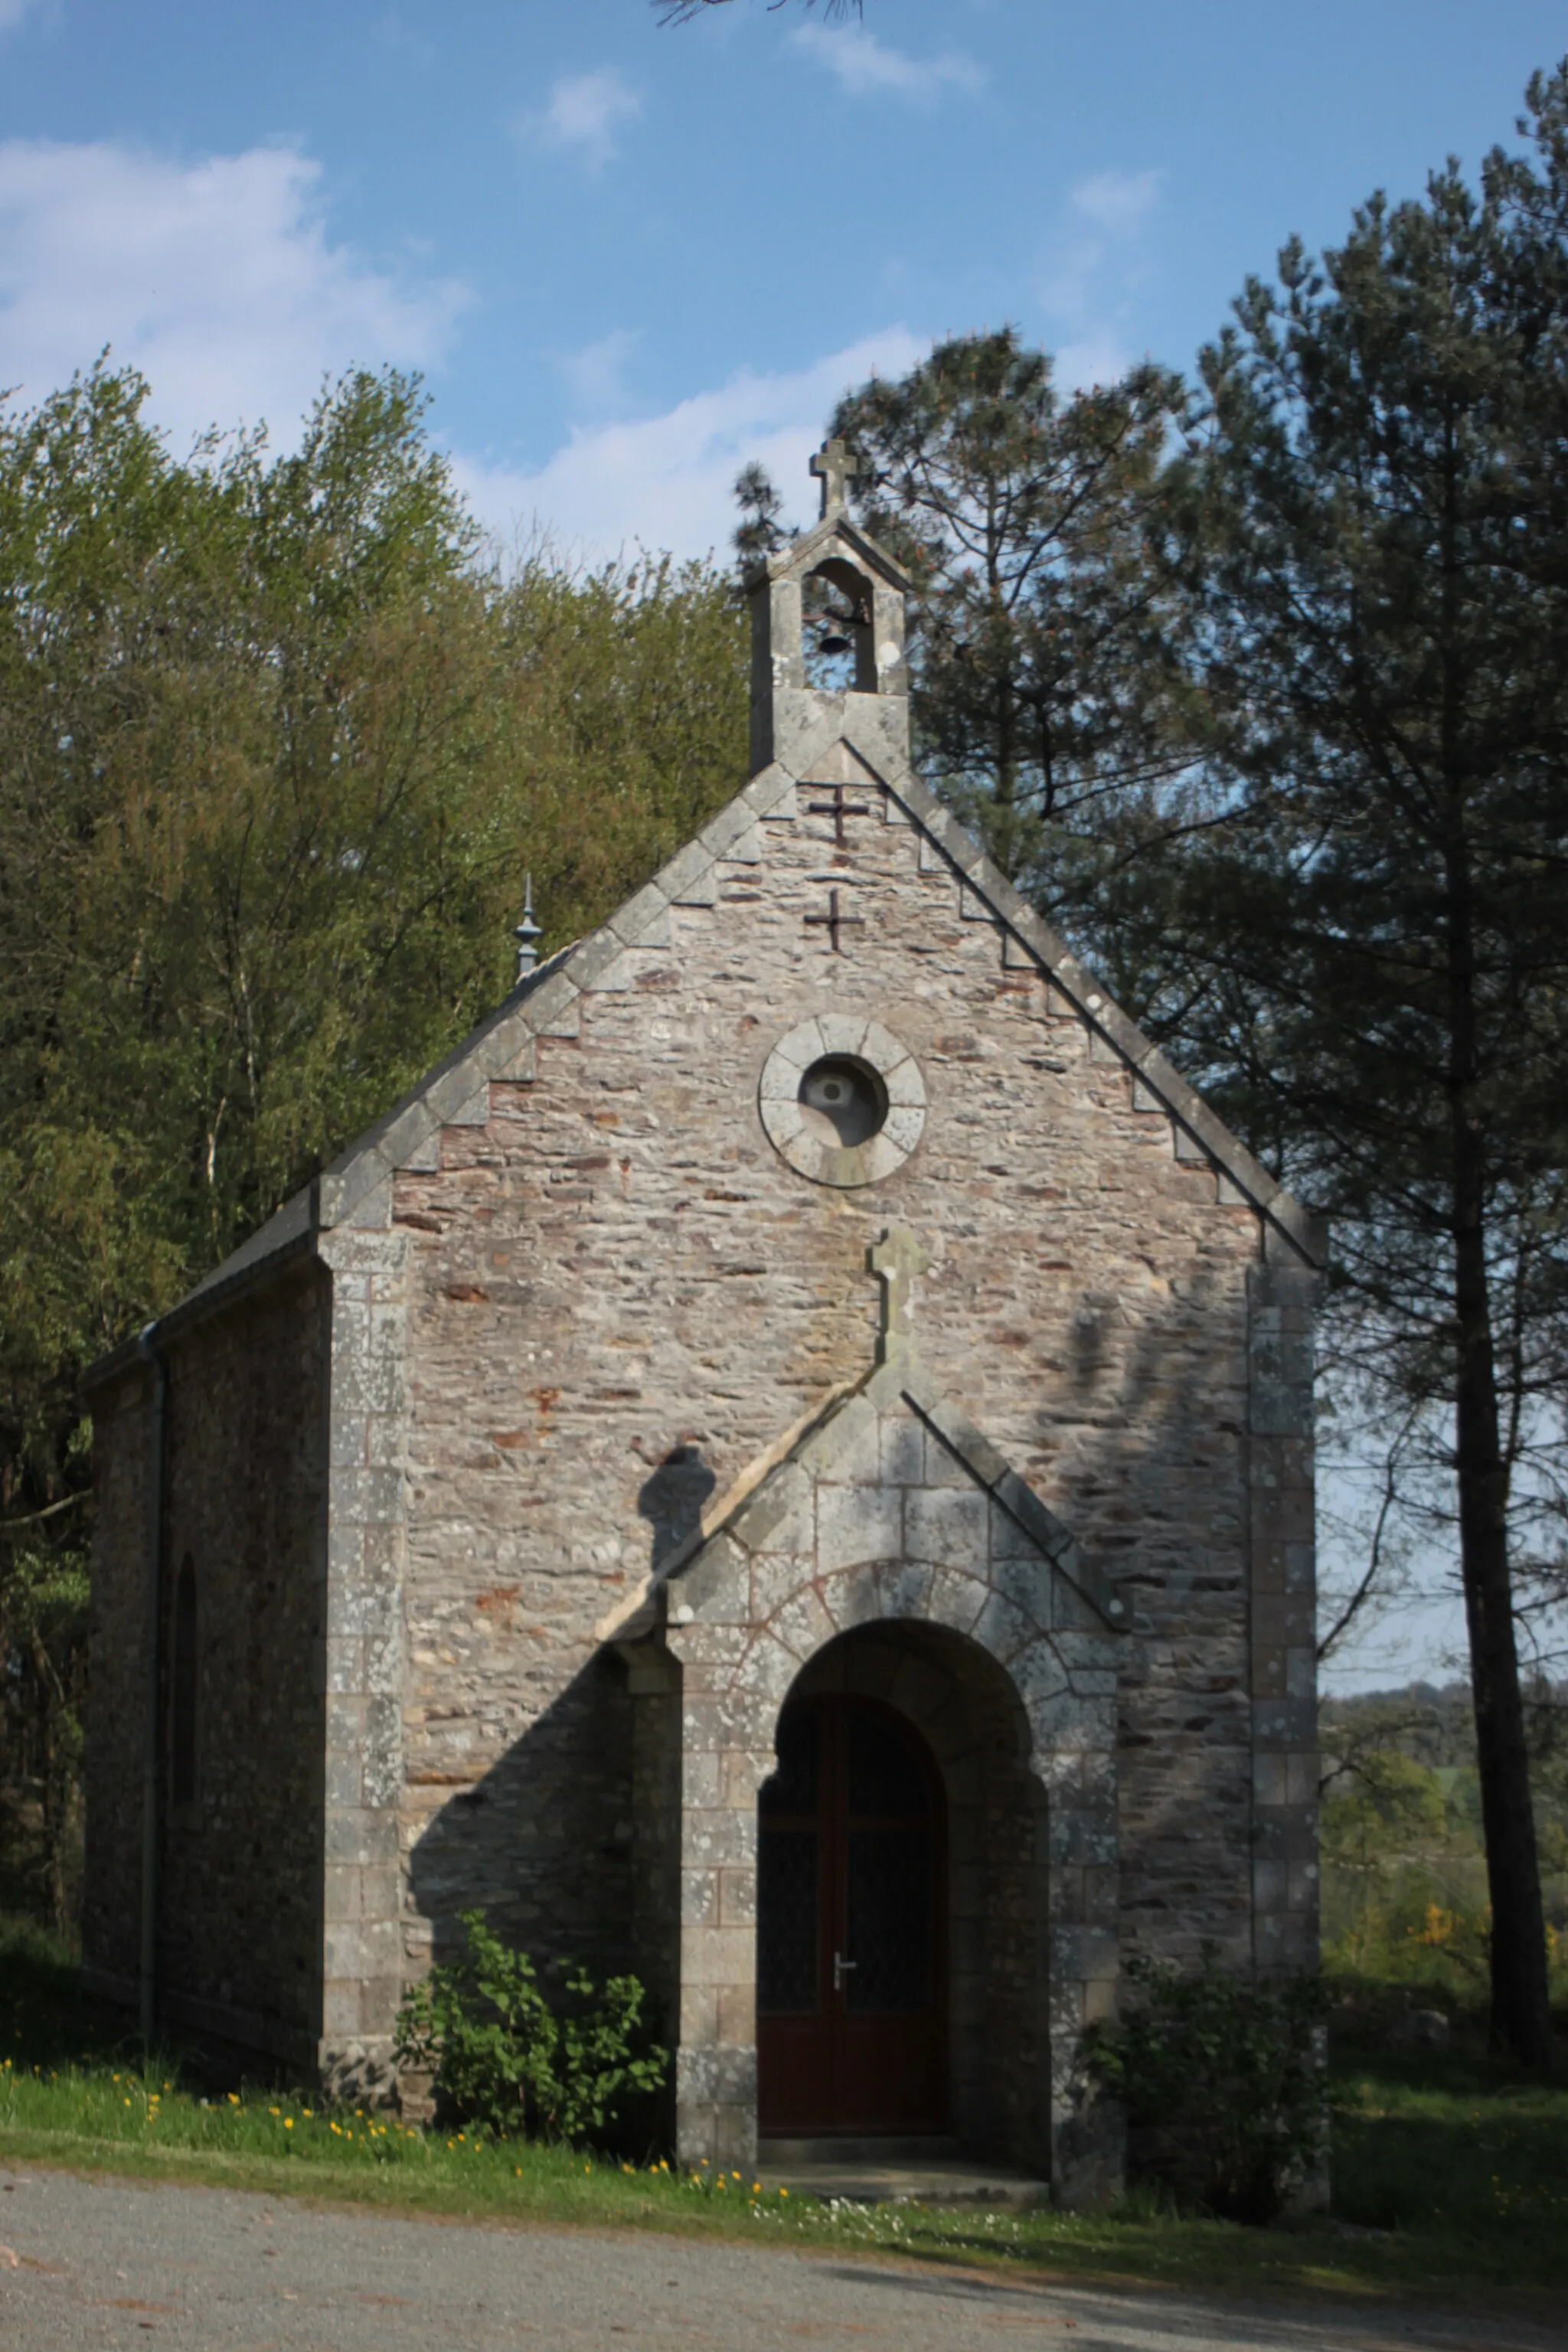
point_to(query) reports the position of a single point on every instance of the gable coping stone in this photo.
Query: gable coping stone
(546, 1002)
(1147, 1063)
(789, 1488)
(825, 532)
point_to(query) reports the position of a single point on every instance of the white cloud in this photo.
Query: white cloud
(1101, 358)
(1092, 263)
(1117, 200)
(596, 373)
(866, 66)
(666, 481)
(216, 279)
(584, 111)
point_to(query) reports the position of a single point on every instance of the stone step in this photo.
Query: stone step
(894, 2172)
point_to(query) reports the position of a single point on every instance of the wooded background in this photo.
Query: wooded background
(1257, 684)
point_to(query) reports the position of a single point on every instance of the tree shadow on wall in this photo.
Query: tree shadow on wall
(545, 1840)
(542, 1842)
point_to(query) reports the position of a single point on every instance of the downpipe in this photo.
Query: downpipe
(152, 1657)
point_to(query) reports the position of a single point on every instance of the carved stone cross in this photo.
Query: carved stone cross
(834, 467)
(833, 922)
(838, 808)
(898, 1257)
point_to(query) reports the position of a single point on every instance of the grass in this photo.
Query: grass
(1451, 2178)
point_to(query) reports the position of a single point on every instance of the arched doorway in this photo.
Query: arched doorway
(852, 1907)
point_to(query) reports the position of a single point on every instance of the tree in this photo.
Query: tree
(681, 12)
(759, 534)
(277, 747)
(1045, 631)
(1383, 915)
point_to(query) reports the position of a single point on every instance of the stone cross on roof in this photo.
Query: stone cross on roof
(898, 1257)
(834, 467)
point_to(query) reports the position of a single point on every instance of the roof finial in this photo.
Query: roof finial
(834, 467)
(526, 933)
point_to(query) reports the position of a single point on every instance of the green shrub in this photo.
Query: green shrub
(1222, 2081)
(500, 2055)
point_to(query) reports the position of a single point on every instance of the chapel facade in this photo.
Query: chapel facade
(784, 1465)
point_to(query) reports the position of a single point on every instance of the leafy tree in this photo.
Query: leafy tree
(277, 746)
(1381, 920)
(1390, 1801)
(43, 1634)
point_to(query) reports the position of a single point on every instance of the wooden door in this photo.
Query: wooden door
(851, 1906)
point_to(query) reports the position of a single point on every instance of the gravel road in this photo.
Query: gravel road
(91, 2262)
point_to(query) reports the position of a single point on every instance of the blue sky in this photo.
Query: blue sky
(627, 259)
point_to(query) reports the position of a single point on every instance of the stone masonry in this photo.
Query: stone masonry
(617, 1423)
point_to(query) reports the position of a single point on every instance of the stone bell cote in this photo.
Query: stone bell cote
(827, 635)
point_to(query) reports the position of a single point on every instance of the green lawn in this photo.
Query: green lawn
(1450, 2180)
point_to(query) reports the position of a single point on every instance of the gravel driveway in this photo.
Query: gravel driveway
(86, 2262)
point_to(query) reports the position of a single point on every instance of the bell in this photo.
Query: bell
(834, 644)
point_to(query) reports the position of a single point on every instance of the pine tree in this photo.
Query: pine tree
(1381, 921)
(759, 534)
(1045, 633)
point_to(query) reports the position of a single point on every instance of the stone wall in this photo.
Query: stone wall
(567, 1322)
(240, 1867)
(363, 1649)
(1283, 1626)
(612, 1273)
(116, 1712)
(896, 1512)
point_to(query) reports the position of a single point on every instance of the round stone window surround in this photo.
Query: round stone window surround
(803, 1138)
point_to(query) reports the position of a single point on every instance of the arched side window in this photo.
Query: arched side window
(183, 1689)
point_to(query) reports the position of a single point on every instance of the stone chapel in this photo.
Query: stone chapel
(784, 1464)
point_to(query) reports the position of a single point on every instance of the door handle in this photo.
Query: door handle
(841, 1968)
